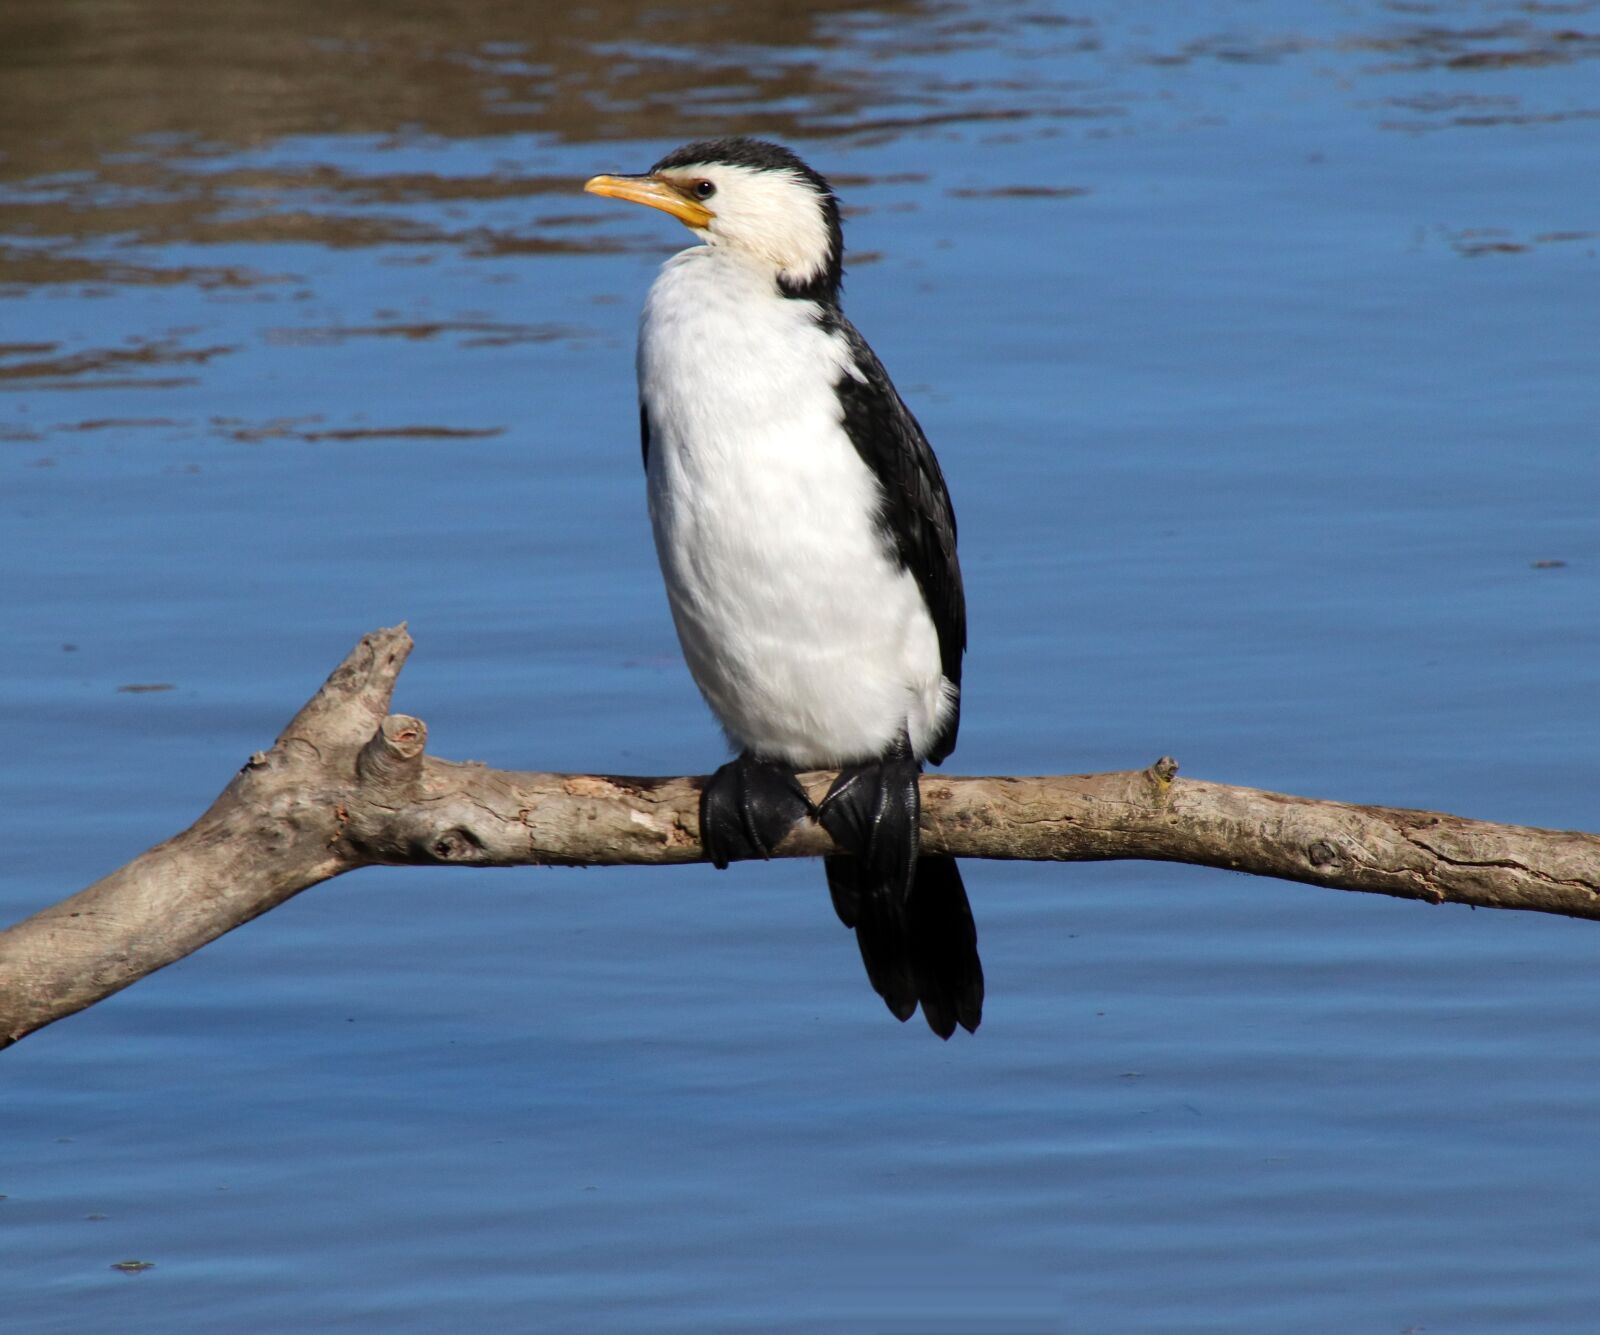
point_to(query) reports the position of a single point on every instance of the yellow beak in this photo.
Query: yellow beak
(655, 192)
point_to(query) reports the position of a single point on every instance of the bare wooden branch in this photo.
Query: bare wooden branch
(348, 785)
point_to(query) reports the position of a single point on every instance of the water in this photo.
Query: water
(1258, 343)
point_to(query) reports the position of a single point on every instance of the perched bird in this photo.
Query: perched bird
(809, 552)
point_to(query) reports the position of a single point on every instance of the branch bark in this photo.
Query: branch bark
(348, 785)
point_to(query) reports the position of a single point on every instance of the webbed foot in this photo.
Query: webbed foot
(873, 809)
(747, 807)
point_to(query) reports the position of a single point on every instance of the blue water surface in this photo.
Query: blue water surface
(1259, 345)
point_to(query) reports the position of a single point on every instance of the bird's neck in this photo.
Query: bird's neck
(819, 282)
(821, 287)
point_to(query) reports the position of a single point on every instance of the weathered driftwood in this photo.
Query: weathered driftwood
(348, 785)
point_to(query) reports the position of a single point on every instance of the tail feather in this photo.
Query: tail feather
(881, 933)
(844, 887)
(924, 949)
(944, 948)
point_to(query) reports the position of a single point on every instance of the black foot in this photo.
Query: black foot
(747, 807)
(873, 810)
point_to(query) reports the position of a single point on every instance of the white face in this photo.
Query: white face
(773, 214)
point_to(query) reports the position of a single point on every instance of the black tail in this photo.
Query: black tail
(924, 949)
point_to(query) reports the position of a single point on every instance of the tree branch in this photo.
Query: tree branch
(349, 785)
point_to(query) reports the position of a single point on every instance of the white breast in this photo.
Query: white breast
(807, 641)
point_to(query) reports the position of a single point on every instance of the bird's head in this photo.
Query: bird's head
(752, 197)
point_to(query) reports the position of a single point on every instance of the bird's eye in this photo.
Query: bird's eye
(703, 189)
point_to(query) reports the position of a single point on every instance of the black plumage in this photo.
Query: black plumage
(919, 523)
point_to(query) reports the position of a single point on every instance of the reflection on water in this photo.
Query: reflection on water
(1257, 341)
(154, 123)
(88, 79)
(143, 139)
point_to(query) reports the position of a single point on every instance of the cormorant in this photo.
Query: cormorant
(808, 546)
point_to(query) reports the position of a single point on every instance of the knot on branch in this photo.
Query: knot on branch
(390, 764)
(457, 844)
(1158, 778)
(1322, 855)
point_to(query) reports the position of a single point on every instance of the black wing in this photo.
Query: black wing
(644, 435)
(918, 522)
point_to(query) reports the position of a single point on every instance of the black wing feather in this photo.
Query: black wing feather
(644, 435)
(918, 521)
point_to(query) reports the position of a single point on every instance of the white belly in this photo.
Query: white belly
(808, 642)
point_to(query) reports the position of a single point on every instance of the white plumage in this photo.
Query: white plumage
(809, 643)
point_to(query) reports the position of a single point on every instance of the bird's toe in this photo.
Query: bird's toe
(747, 807)
(874, 810)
